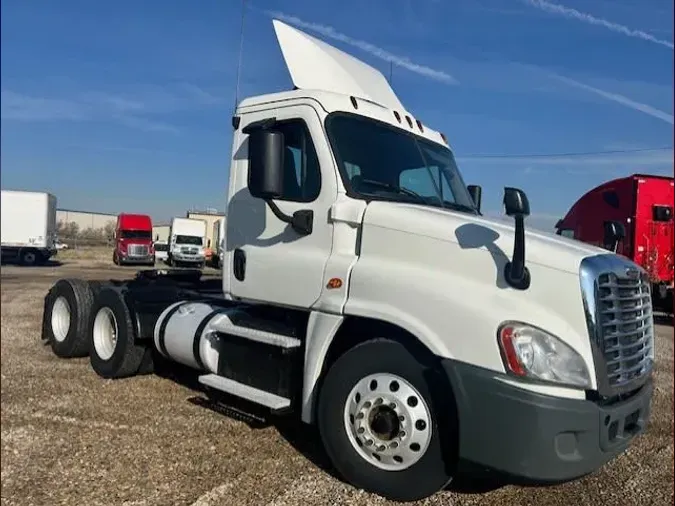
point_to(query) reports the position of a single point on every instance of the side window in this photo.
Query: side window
(418, 180)
(302, 174)
(567, 232)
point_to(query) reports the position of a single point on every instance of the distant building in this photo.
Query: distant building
(160, 232)
(210, 216)
(84, 219)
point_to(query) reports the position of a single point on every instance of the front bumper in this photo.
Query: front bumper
(136, 259)
(189, 259)
(540, 438)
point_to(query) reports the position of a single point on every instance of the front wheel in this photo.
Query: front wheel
(380, 424)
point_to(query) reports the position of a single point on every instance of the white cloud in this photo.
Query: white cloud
(570, 13)
(620, 99)
(138, 109)
(378, 52)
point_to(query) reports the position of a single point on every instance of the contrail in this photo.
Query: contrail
(620, 99)
(568, 12)
(383, 54)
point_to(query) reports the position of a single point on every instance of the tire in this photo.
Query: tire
(113, 352)
(115, 259)
(29, 257)
(67, 312)
(387, 361)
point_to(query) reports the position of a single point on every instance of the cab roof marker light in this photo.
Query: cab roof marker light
(397, 116)
(443, 137)
(419, 125)
(410, 124)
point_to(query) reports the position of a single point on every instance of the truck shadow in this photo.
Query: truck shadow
(304, 438)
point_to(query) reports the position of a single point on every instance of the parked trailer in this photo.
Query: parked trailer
(28, 226)
(642, 205)
(354, 300)
(218, 246)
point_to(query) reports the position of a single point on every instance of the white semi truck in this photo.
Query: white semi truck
(363, 291)
(28, 226)
(187, 241)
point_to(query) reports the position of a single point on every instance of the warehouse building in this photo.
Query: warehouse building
(85, 219)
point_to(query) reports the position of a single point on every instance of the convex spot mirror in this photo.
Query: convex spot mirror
(266, 164)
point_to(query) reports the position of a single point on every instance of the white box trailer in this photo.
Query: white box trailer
(28, 226)
(187, 241)
(218, 244)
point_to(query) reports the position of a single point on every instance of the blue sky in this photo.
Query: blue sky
(126, 105)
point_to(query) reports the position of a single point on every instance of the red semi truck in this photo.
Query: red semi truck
(133, 240)
(640, 207)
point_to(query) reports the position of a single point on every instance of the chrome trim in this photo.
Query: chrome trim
(610, 272)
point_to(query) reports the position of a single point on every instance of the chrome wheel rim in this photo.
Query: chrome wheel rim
(388, 421)
(105, 333)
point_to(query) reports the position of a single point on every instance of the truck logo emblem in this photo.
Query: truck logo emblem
(632, 273)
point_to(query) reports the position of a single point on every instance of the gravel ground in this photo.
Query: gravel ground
(69, 437)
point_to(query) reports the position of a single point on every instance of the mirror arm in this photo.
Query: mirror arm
(515, 271)
(301, 221)
(278, 212)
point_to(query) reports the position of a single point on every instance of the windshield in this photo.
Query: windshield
(136, 234)
(188, 239)
(385, 163)
(161, 246)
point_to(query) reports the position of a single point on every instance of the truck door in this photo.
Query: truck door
(267, 260)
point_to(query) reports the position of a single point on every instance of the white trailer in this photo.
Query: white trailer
(363, 291)
(217, 244)
(28, 226)
(187, 241)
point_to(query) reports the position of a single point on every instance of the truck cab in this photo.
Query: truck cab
(133, 240)
(364, 292)
(187, 242)
(641, 207)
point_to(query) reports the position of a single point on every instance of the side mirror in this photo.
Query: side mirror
(614, 232)
(266, 164)
(476, 192)
(517, 206)
(516, 203)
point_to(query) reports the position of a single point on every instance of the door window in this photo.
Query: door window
(302, 174)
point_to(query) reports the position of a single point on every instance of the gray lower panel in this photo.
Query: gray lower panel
(537, 437)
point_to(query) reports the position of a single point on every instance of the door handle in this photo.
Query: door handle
(239, 264)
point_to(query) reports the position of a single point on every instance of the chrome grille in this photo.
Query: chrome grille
(137, 250)
(617, 302)
(189, 251)
(625, 327)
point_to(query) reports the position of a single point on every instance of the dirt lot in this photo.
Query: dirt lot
(69, 437)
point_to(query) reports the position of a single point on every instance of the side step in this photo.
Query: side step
(252, 394)
(226, 326)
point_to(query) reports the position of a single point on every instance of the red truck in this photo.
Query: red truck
(133, 240)
(640, 208)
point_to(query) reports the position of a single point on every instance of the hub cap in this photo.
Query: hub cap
(105, 333)
(387, 421)
(60, 319)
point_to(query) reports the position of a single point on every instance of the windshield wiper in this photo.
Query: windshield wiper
(394, 188)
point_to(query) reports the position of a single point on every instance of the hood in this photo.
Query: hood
(477, 232)
(315, 65)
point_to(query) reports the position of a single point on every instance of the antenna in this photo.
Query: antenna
(391, 71)
(241, 52)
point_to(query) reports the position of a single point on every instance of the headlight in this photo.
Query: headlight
(529, 352)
